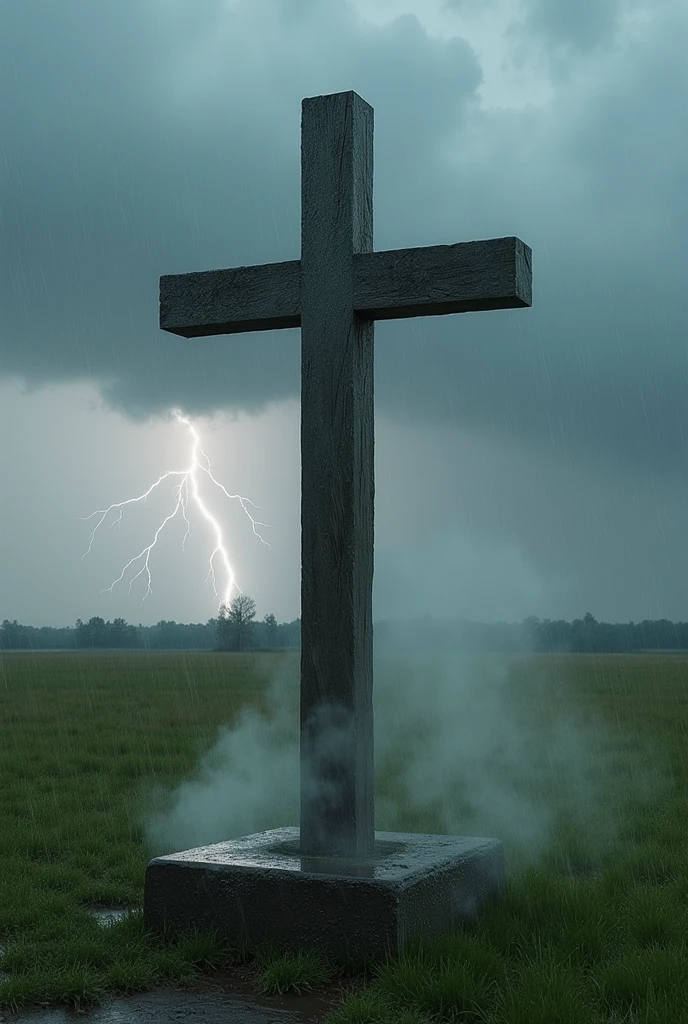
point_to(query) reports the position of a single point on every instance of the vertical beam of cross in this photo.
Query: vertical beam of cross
(337, 480)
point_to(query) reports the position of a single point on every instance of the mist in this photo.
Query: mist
(460, 749)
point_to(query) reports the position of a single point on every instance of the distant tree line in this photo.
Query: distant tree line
(582, 636)
(234, 629)
(588, 636)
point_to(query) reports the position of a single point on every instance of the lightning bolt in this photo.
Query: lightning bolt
(189, 478)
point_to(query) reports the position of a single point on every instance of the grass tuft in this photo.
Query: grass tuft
(298, 973)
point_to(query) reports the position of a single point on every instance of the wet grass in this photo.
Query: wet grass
(299, 973)
(586, 935)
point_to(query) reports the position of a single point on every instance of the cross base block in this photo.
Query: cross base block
(259, 888)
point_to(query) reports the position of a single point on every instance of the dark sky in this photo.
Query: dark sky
(527, 461)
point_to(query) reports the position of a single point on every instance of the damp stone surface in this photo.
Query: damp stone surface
(260, 887)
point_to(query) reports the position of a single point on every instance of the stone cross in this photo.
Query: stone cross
(334, 293)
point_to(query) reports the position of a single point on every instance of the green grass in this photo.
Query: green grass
(297, 973)
(589, 934)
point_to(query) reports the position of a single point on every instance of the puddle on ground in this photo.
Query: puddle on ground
(165, 1005)
(108, 916)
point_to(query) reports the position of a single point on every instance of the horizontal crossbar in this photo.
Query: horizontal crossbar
(390, 284)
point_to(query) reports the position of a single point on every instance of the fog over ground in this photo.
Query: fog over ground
(459, 749)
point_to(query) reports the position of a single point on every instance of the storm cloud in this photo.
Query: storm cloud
(145, 138)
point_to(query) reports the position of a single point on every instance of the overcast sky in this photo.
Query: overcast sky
(528, 461)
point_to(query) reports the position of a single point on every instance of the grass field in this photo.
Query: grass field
(590, 933)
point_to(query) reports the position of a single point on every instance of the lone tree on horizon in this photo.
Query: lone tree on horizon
(235, 624)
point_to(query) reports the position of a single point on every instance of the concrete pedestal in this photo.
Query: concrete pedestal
(260, 888)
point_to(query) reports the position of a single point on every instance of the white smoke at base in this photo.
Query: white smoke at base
(461, 748)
